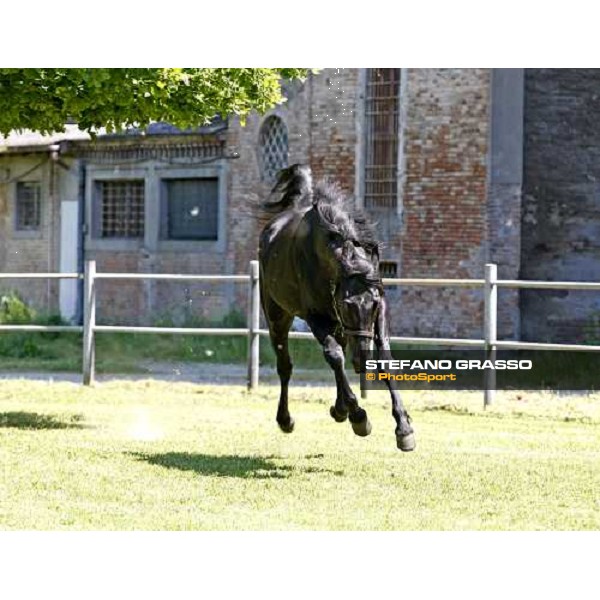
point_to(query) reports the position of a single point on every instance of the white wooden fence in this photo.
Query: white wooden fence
(489, 284)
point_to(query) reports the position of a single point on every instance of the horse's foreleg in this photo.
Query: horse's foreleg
(339, 411)
(405, 439)
(346, 402)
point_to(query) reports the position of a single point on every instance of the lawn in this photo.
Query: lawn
(177, 456)
(123, 352)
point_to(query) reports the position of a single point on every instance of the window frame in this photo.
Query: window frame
(28, 232)
(98, 221)
(191, 246)
(93, 220)
(164, 234)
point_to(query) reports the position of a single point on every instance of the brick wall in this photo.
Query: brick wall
(334, 95)
(561, 208)
(443, 209)
(443, 204)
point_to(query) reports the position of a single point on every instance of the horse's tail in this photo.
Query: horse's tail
(295, 184)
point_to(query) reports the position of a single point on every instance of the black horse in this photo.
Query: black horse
(319, 260)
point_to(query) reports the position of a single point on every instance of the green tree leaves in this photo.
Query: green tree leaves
(45, 99)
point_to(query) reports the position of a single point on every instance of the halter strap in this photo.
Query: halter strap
(358, 332)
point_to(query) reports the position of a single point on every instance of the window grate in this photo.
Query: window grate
(28, 213)
(388, 270)
(382, 109)
(122, 208)
(273, 148)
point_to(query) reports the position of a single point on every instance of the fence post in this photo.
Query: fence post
(253, 326)
(490, 320)
(364, 394)
(89, 321)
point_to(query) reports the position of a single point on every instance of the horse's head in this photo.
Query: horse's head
(357, 297)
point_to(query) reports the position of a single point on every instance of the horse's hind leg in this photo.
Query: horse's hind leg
(279, 327)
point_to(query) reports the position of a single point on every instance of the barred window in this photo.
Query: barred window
(28, 213)
(121, 207)
(273, 148)
(190, 209)
(382, 106)
(388, 270)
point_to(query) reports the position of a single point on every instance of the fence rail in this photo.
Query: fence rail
(489, 342)
(175, 277)
(41, 276)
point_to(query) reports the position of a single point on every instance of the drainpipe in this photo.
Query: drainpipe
(51, 214)
(81, 238)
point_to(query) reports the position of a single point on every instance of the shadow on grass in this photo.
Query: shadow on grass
(244, 467)
(28, 420)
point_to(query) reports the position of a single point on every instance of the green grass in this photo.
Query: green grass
(122, 352)
(151, 455)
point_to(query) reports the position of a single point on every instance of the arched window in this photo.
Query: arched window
(273, 147)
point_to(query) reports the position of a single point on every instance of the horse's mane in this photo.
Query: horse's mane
(339, 216)
(336, 211)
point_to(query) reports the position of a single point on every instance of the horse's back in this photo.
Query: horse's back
(282, 247)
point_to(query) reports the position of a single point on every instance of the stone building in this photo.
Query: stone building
(459, 167)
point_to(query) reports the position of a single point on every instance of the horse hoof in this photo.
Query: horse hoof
(363, 428)
(287, 427)
(337, 416)
(406, 443)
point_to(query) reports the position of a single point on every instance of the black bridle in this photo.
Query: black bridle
(346, 330)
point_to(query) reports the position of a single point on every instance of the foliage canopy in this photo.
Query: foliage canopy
(45, 99)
